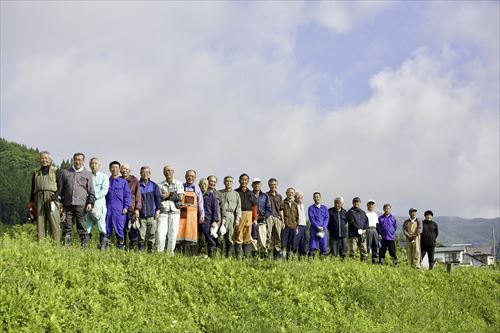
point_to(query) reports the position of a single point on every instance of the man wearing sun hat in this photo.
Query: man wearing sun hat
(412, 228)
(428, 237)
(358, 224)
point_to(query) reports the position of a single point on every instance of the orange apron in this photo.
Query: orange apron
(188, 223)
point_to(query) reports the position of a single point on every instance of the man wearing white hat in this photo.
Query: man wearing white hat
(412, 228)
(371, 233)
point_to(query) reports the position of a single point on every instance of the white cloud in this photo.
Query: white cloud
(215, 88)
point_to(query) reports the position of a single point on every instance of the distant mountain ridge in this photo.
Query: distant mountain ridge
(457, 230)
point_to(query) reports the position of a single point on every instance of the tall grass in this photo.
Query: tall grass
(48, 288)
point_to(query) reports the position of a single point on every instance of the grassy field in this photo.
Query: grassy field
(48, 288)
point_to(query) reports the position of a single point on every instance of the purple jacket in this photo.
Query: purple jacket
(118, 198)
(318, 216)
(387, 226)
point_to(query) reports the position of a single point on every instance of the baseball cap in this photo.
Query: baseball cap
(256, 180)
(371, 200)
(356, 199)
(412, 210)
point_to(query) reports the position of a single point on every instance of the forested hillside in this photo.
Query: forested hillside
(17, 164)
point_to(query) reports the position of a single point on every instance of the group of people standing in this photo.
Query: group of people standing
(175, 216)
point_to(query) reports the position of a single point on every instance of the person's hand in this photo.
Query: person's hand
(136, 213)
(379, 237)
(88, 208)
(157, 215)
(124, 211)
(283, 226)
(224, 221)
(297, 231)
(202, 219)
(254, 222)
(214, 224)
(320, 228)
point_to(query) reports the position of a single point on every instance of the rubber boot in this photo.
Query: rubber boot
(246, 250)
(67, 239)
(103, 242)
(229, 250)
(381, 261)
(120, 244)
(395, 262)
(84, 241)
(238, 249)
(150, 247)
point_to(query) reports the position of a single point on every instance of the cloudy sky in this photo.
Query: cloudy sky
(394, 101)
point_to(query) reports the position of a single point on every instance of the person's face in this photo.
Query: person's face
(428, 217)
(337, 205)
(94, 165)
(228, 183)
(370, 206)
(204, 186)
(413, 214)
(115, 170)
(243, 181)
(190, 177)
(298, 198)
(273, 186)
(168, 172)
(387, 210)
(125, 171)
(212, 183)
(78, 161)
(290, 193)
(256, 186)
(145, 173)
(317, 199)
(45, 160)
(356, 203)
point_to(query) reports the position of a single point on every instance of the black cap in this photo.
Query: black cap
(428, 212)
(412, 210)
(356, 199)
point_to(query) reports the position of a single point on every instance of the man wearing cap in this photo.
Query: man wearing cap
(230, 213)
(337, 228)
(318, 216)
(259, 227)
(358, 224)
(371, 233)
(412, 228)
(212, 187)
(300, 236)
(243, 229)
(275, 221)
(387, 226)
(428, 237)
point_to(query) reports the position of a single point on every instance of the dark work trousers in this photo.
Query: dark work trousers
(204, 230)
(75, 215)
(429, 249)
(372, 242)
(133, 234)
(300, 240)
(338, 246)
(391, 244)
(287, 239)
